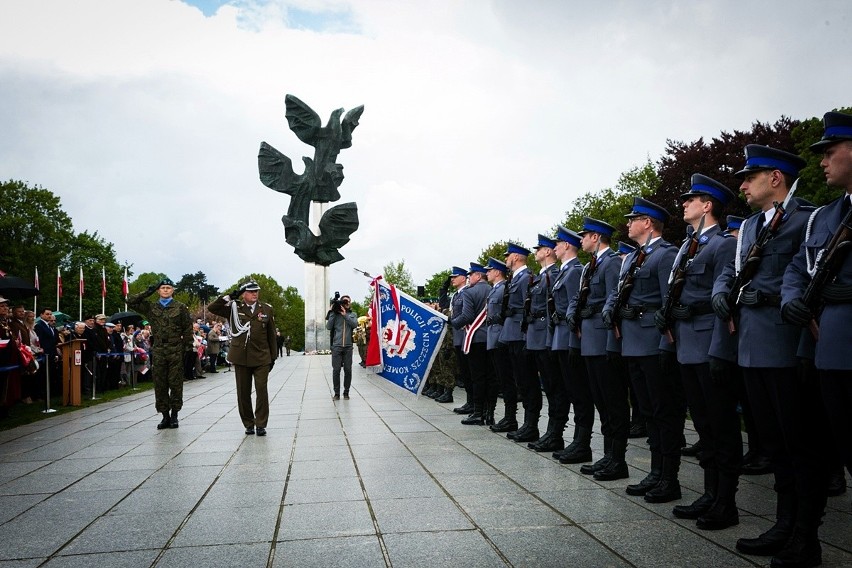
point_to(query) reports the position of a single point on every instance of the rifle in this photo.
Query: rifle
(586, 283)
(827, 266)
(551, 304)
(625, 285)
(749, 268)
(525, 322)
(678, 279)
(504, 306)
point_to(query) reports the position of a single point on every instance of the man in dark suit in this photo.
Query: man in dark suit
(785, 412)
(253, 350)
(47, 339)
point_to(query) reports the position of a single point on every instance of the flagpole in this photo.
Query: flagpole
(37, 287)
(81, 293)
(58, 286)
(124, 288)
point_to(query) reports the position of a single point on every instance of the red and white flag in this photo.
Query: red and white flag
(58, 282)
(125, 289)
(82, 284)
(37, 287)
(103, 282)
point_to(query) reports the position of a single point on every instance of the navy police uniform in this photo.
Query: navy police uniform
(472, 314)
(498, 354)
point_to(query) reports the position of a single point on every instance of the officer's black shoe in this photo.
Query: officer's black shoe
(694, 510)
(637, 430)
(614, 470)
(691, 451)
(428, 390)
(505, 425)
(769, 543)
(577, 455)
(475, 419)
(666, 490)
(173, 419)
(546, 438)
(719, 517)
(799, 552)
(650, 481)
(530, 435)
(466, 408)
(250, 431)
(261, 431)
(166, 422)
(591, 469)
(520, 431)
(488, 417)
(760, 465)
(432, 391)
(551, 443)
(446, 397)
(837, 483)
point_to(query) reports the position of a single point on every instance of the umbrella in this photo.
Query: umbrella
(15, 288)
(62, 318)
(127, 318)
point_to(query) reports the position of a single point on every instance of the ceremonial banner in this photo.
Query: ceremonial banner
(405, 337)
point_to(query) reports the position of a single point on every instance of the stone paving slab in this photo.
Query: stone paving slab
(384, 479)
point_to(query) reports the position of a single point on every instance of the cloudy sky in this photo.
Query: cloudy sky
(483, 119)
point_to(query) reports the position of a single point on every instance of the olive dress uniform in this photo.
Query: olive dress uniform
(253, 354)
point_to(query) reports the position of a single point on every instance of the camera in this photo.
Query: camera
(335, 303)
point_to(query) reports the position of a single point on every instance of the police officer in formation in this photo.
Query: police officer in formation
(785, 411)
(648, 355)
(566, 348)
(469, 323)
(458, 280)
(711, 392)
(544, 364)
(501, 379)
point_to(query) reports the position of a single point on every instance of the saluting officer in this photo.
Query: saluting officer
(539, 340)
(707, 381)
(511, 334)
(566, 347)
(598, 347)
(784, 411)
(471, 322)
(833, 363)
(498, 353)
(171, 325)
(253, 350)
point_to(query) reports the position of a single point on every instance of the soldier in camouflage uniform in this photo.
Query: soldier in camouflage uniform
(445, 369)
(172, 337)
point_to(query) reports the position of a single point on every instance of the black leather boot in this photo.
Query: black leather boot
(580, 450)
(477, 418)
(651, 480)
(591, 469)
(447, 396)
(432, 391)
(723, 513)
(166, 422)
(668, 489)
(552, 440)
(836, 482)
(173, 419)
(691, 451)
(775, 539)
(466, 408)
(509, 422)
(801, 551)
(531, 433)
(617, 467)
(703, 503)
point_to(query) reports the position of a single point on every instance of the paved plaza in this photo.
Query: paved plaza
(383, 479)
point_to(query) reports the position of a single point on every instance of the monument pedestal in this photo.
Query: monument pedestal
(317, 298)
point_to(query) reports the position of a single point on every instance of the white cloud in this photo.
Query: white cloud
(482, 119)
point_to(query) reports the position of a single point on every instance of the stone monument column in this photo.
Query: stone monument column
(317, 294)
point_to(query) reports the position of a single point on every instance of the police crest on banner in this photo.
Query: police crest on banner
(405, 337)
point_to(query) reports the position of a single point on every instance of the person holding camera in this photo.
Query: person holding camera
(342, 324)
(253, 350)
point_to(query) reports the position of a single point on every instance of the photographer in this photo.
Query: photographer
(342, 323)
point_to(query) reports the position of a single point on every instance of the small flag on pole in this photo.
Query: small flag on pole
(58, 283)
(103, 282)
(82, 284)
(37, 287)
(125, 289)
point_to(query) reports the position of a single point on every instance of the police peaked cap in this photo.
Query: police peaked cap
(596, 226)
(624, 248)
(476, 267)
(517, 249)
(838, 127)
(703, 185)
(567, 236)
(458, 271)
(544, 241)
(643, 207)
(494, 264)
(733, 222)
(760, 158)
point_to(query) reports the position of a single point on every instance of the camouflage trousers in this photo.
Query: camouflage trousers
(167, 374)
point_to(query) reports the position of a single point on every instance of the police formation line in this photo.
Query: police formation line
(766, 301)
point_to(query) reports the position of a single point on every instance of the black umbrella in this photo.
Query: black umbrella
(15, 288)
(127, 318)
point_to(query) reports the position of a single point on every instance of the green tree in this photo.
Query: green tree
(197, 287)
(397, 274)
(432, 288)
(96, 257)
